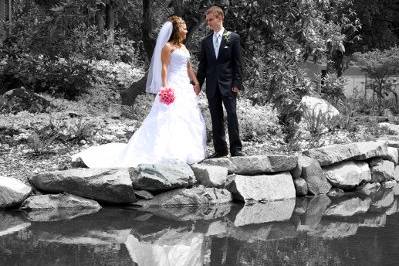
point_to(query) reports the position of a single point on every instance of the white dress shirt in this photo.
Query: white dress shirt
(217, 39)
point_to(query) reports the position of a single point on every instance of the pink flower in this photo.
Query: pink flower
(166, 95)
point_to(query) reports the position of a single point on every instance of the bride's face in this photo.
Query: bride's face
(183, 31)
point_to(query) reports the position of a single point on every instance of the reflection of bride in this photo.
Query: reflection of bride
(171, 249)
(169, 132)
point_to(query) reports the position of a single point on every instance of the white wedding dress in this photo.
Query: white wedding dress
(169, 132)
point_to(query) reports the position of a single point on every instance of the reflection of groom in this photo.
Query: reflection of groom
(220, 65)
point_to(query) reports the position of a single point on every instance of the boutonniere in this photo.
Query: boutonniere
(226, 36)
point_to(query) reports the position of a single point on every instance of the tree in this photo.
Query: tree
(380, 67)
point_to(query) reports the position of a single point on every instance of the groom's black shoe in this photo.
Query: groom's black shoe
(237, 153)
(217, 155)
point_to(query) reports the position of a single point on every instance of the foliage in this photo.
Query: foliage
(331, 88)
(380, 67)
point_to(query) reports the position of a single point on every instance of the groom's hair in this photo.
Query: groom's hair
(216, 10)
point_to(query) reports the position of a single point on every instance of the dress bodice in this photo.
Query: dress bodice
(177, 69)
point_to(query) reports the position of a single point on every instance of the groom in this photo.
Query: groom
(220, 65)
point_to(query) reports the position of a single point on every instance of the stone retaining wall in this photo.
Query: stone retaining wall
(331, 170)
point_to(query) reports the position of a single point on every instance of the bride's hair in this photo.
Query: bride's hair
(177, 23)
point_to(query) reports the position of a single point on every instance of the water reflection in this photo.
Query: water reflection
(352, 229)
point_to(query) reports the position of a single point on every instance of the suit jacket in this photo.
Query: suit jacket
(225, 70)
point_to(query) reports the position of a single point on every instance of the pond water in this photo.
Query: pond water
(350, 230)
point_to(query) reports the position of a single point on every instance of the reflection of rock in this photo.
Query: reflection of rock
(11, 223)
(162, 177)
(191, 213)
(336, 153)
(301, 204)
(217, 228)
(262, 187)
(349, 207)
(393, 208)
(348, 175)
(315, 210)
(210, 175)
(265, 232)
(265, 212)
(382, 200)
(333, 230)
(109, 185)
(12, 192)
(188, 197)
(59, 201)
(374, 221)
(263, 164)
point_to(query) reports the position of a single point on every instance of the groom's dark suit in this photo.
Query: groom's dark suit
(222, 74)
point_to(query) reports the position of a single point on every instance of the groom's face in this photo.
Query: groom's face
(214, 22)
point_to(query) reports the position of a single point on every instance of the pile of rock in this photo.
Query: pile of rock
(332, 169)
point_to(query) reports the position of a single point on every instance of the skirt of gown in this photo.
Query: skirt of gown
(169, 132)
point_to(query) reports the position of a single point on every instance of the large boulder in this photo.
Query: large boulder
(314, 175)
(55, 207)
(106, 185)
(195, 196)
(262, 187)
(336, 153)
(348, 175)
(162, 177)
(210, 175)
(382, 170)
(314, 106)
(263, 164)
(223, 162)
(20, 99)
(12, 192)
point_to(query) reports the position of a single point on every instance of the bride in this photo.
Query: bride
(169, 132)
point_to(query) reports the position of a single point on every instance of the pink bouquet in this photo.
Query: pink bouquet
(166, 95)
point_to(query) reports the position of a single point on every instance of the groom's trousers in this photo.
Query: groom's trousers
(216, 103)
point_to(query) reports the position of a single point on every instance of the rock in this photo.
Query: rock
(381, 170)
(395, 190)
(349, 207)
(389, 184)
(188, 197)
(301, 205)
(393, 155)
(348, 175)
(314, 106)
(389, 126)
(336, 153)
(263, 164)
(210, 175)
(55, 207)
(368, 188)
(262, 187)
(297, 171)
(107, 185)
(393, 208)
(314, 175)
(11, 223)
(142, 194)
(161, 177)
(301, 187)
(20, 99)
(223, 162)
(396, 173)
(78, 163)
(12, 192)
(335, 192)
(259, 213)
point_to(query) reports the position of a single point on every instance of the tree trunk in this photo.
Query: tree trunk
(100, 19)
(110, 19)
(129, 95)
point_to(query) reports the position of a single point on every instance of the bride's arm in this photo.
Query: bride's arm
(191, 74)
(165, 59)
